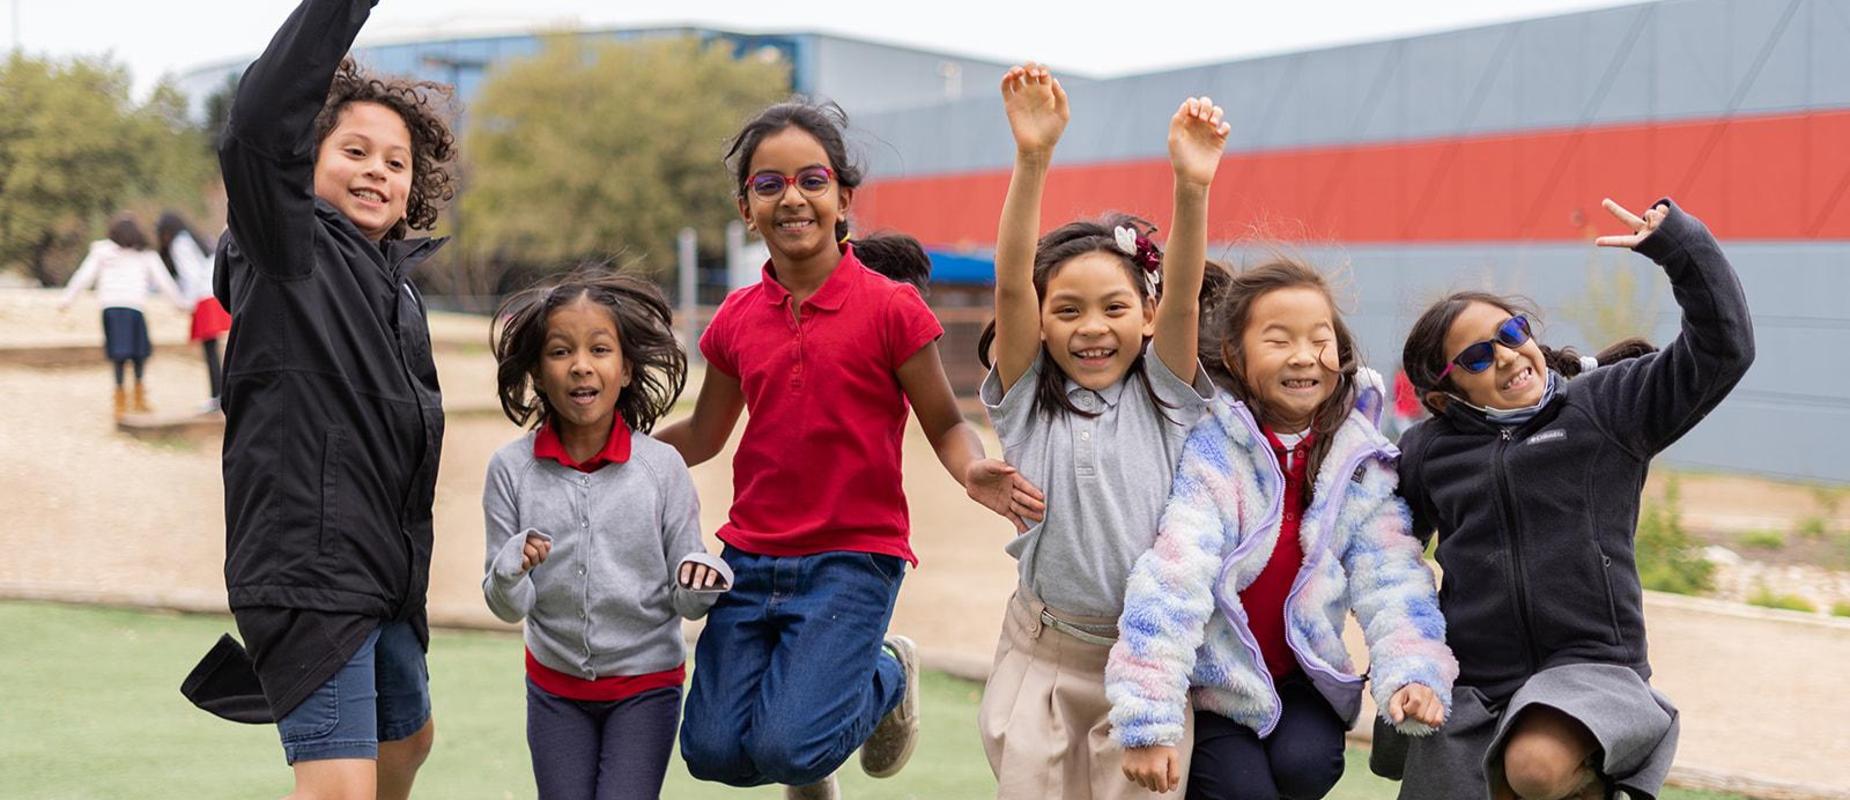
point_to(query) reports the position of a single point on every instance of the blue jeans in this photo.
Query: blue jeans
(789, 675)
(382, 694)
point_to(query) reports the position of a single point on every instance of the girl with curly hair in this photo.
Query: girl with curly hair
(333, 418)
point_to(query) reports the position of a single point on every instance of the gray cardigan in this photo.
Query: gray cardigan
(605, 601)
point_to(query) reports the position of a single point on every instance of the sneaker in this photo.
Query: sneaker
(889, 747)
(824, 789)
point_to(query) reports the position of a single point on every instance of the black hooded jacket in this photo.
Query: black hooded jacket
(1536, 521)
(333, 417)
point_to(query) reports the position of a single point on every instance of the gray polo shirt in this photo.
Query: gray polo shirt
(605, 601)
(1106, 477)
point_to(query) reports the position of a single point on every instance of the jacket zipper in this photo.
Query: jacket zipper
(1515, 540)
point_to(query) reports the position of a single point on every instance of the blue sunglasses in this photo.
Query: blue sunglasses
(1513, 333)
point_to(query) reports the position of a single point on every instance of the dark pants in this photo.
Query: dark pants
(614, 750)
(1301, 760)
(789, 676)
(215, 372)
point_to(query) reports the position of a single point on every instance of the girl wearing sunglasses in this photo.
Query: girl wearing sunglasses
(1532, 482)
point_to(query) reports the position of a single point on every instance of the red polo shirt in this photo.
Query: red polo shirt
(818, 467)
(1264, 598)
(546, 444)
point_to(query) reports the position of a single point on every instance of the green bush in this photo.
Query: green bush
(1766, 598)
(1669, 559)
(1814, 528)
(1763, 540)
(1840, 609)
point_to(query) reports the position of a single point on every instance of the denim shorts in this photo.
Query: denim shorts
(382, 694)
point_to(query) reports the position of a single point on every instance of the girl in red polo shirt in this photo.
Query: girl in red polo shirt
(794, 669)
(594, 533)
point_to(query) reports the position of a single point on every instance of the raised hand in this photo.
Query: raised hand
(1642, 227)
(1000, 488)
(1197, 138)
(1036, 107)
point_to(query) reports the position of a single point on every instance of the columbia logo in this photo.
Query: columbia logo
(1547, 436)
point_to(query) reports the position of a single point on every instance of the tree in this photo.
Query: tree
(589, 150)
(75, 148)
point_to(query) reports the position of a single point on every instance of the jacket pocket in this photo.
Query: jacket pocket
(1612, 602)
(333, 450)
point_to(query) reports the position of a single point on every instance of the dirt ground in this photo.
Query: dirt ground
(98, 516)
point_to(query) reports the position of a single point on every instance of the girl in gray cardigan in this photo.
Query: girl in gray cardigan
(593, 531)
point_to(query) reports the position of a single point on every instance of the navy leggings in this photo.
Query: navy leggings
(1301, 760)
(601, 751)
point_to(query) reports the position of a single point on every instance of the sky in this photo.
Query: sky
(1097, 39)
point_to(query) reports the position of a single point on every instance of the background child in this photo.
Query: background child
(1521, 467)
(180, 248)
(123, 268)
(1283, 519)
(333, 418)
(1094, 386)
(791, 673)
(588, 522)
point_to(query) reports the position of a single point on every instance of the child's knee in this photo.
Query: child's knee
(786, 760)
(1538, 769)
(720, 759)
(1306, 771)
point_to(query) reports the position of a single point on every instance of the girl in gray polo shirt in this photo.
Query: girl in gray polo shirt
(593, 531)
(1093, 390)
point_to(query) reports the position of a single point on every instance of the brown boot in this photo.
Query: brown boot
(141, 400)
(121, 402)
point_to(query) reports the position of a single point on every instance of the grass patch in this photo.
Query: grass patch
(1813, 529)
(1763, 540)
(1767, 598)
(92, 709)
(1669, 559)
(1840, 609)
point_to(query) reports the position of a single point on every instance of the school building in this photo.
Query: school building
(1467, 159)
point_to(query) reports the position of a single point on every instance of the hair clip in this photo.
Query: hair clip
(1126, 237)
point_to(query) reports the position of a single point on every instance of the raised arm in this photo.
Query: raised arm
(1037, 114)
(1649, 402)
(1197, 138)
(83, 278)
(267, 151)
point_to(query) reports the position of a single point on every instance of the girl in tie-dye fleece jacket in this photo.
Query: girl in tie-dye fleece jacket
(1185, 635)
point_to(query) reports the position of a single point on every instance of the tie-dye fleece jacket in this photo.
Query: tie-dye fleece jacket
(1184, 637)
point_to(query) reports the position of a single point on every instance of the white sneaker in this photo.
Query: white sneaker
(825, 789)
(887, 750)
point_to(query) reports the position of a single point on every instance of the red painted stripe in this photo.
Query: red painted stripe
(1769, 177)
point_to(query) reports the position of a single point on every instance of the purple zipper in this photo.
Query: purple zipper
(1297, 584)
(1236, 616)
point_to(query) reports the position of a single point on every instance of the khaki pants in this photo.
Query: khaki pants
(1044, 715)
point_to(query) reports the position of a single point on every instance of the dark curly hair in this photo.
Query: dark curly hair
(645, 334)
(433, 146)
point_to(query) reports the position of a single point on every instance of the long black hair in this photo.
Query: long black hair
(645, 334)
(896, 256)
(168, 228)
(1424, 356)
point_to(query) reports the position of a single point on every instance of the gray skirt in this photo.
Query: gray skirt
(1636, 727)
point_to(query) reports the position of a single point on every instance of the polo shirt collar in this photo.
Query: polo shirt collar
(833, 292)
(1109, 394)
(547, 445)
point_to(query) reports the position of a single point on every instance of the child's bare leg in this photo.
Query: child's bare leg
(334, 779)
(399, 762)
(1546, 758)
